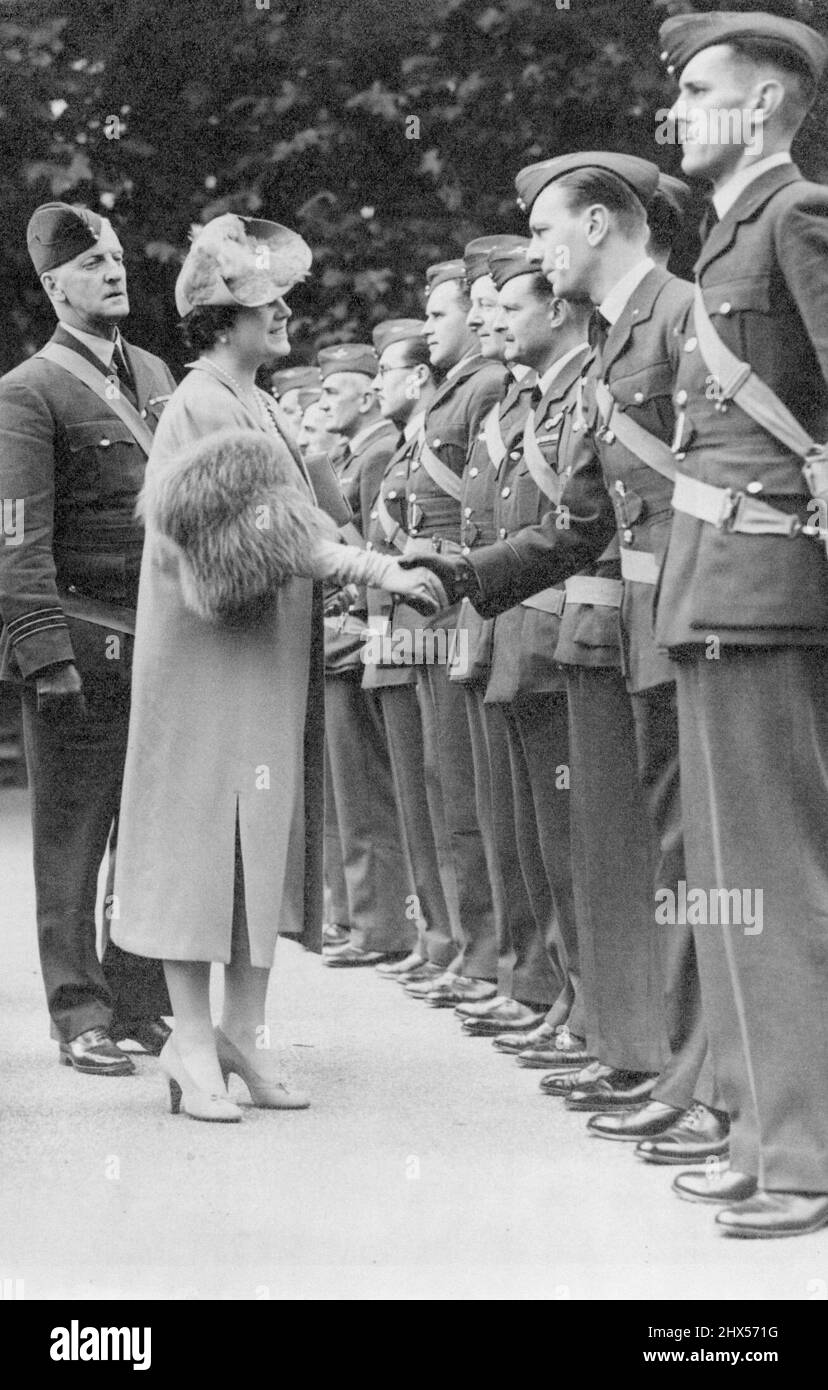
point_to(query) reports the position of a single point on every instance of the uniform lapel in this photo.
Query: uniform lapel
(637, 310)
(749, 203)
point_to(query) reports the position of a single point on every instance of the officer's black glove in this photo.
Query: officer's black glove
(453, 571)
(60, 693)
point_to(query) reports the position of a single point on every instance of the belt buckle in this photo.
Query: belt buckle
(731, 506)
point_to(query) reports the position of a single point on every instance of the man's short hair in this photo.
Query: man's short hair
(800, 87)
(584, 187)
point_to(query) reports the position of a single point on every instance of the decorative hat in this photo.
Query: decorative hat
(477, 252)
(685, 35)
(395, 331)
(240, 260)
(57, 232)
(505, 263)
(639, 174)
(347, 357)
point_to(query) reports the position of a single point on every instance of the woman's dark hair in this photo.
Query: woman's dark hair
(202, 326)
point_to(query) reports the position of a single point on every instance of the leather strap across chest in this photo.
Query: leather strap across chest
(83, 371)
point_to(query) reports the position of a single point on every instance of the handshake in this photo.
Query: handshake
(430, 583)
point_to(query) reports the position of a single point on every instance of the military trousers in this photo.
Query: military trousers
(336, 890)
(377, 879)
(538, 737)
(754, 764)
(75, 771)
(432, 872)
(449, 749)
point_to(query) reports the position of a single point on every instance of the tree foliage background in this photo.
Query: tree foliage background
(387, 131)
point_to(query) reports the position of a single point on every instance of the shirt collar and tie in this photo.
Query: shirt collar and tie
(110, 353)
(732, 189)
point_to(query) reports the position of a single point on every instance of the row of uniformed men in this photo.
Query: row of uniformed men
(578, 456)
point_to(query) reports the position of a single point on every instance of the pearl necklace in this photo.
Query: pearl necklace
(256, 395)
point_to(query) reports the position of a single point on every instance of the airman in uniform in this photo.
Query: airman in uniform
(743, 608)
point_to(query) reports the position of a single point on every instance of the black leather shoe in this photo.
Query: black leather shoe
(538, 1037)
(349, 956)
(460, 990)
(401, 969)
(653, 1118)
(562, 1082)
(621, 1090)
(482, 1008)
(95, 1054)
(698, 1135)
(770, 1214)
(721, 1186)
(149, 1033)
(510, 1017)
(563, 1049)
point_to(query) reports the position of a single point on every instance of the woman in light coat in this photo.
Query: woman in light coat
(221, 814)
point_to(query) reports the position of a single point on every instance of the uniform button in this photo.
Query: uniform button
(392, 496)
(754, 487)
(473, 472)
(681, 397)
(435, 443)
(638, 397)
(144, 413)
(464, 550)
(664, 55)
(619, 488)
(726, 307)
(503, 533)
(609, 437)
(505, 492)
(691, 345)
(515, 454)
(627, 537)
(680, 457)
(374, 516)
(415, 466)
(412, 497)
(467, 511)
(104, 443)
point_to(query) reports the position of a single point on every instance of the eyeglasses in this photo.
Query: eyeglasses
(383, 371)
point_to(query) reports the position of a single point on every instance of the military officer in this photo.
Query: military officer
(373, 861)
(589, 223)
(471, 385)
(76, 423)
(469, 667)
(743, 607)
(405, 387)
(525, 688)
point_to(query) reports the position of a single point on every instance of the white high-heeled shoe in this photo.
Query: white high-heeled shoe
(265, 1094)
(184, 1093)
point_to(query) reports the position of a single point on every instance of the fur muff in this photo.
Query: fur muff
(233, 507)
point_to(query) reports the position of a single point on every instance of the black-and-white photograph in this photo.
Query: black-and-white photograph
(414, 659)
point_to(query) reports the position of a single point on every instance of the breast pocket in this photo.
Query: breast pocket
(107, 462)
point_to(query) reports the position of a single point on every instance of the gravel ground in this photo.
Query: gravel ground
(429, 1166)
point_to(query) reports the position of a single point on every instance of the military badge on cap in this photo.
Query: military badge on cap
(507, 262)
(685, 35)
(58, 232)
(241, 260)
(639, 174)
(347, 357)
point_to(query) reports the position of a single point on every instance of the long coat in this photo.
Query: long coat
(227, 723)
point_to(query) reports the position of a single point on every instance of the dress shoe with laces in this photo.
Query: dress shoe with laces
(350, 955)
(149, 1033)
(620, 1090)
(95, 1054)
(770, 1214)
(653, 1118)
(697, 1135)
(397, 969)
(563, 1081)
(432, 976)
(514, 1044)
(460, 990)
(562, 1049)
(510, 1017)
(719, 1185)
